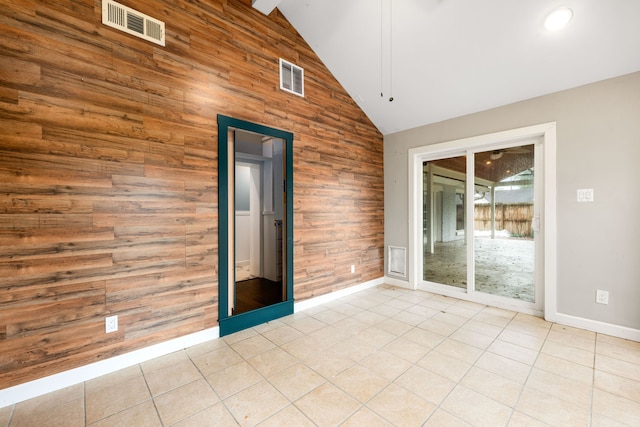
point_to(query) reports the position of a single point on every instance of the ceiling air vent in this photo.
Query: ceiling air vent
(133, 22)
(291, 78)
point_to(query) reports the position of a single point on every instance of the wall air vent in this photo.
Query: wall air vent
(397, 261)
(291, 78)
(132, 22)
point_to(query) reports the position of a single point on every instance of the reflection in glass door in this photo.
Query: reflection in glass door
(444, 237)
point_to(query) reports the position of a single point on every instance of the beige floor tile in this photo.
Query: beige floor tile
(528, 329)
(360, 382)
(574, 331)
(252, 346)
(394, 327)
(289, 416)
(303, 347)
(442, 418)
(213, 416)
(518, 419)
(554, 411)
(233, 379)
(256, 403)
(143, 414)
(618, 367)
(206, 347)
(282, 335)
(598, 420)
(401, 407)
(329, 362)
(436, 304)
(508, 368)
(572, 354)
(450, 318)
(328, 336)
(633, 346)
(213, 361)
(329, 317)
(365, 417)
(296, 381)
(68, 414)
(407, 350)
(458, 310)
(272, 361)
(616, 408)
(475, 408)
(532, 320)
(426, 384)
(182, 403)
(116, 398)
(5, 415)
(488, 317)
(620, 350)
(438, 327)
(471, 338)
(51, 400)
(327, 405)
(513, 351)
(351, 326)
(409, 318)
(478, 327)
(376, 337)
(369, 317)
(444, 365)
(385, 364)
(308, 325)
(182, 372)
(528, 341)
(614, 384)
(560, 387)
(565, 368)
(496, 387)
(246, 334)
(164, 362)
(114, 378)
(423, 337)
(400, 304)
(385, 310)
(573, 340)
(360, 346)
(423, 311)
(458, 350)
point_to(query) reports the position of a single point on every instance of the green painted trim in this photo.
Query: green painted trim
(230, 324)
(252, 318)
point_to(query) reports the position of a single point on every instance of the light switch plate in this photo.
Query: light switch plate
(585, 194)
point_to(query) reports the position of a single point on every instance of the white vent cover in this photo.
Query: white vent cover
(397, 258)
(291, 78)
(132, 22)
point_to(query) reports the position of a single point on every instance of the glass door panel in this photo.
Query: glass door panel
(504, 215)
(444, 213)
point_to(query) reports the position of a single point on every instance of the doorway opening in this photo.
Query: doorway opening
(255, 224)
(479, 221)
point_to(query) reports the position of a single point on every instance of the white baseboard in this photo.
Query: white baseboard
(322, 299)
(597, 326)
(31, 389)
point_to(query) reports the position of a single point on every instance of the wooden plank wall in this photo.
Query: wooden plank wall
(108, 173)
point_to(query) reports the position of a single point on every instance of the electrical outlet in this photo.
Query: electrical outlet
(602, 297)
(353, 268)
(585, 195)
(111, 324)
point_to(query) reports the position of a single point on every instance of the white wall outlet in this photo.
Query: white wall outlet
(111, 324)
(353, 268)
(602, 297)
(585, 194)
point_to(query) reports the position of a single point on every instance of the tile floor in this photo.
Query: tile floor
(381, 357)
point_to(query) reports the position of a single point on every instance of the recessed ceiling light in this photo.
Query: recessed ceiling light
(558, 19)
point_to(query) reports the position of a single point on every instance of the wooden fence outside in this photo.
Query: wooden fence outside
(516, 218)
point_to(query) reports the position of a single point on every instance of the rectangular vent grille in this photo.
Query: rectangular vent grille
(397, 261)
(132, 22)
(291, 78)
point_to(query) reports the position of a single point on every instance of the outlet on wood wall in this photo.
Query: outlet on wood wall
(108, 173)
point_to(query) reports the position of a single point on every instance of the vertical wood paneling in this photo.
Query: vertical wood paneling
(108, 173)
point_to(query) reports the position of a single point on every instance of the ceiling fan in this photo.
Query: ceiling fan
(497, 154)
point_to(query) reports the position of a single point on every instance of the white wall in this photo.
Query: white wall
(598, 146)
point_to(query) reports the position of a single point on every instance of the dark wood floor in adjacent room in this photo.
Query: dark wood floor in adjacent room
(256, 293)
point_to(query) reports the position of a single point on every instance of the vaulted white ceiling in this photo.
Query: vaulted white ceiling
(441, 59)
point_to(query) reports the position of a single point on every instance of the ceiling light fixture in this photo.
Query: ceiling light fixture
(558, 19)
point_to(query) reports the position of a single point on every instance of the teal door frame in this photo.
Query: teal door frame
(233, 323)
